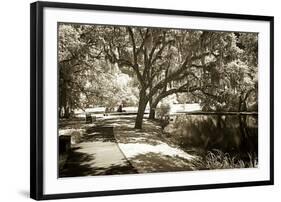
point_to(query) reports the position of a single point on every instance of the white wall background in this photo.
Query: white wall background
(14, 100)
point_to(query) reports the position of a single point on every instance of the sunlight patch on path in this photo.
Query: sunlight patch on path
(133, 149)
(147, 149)
(96, 158)
(105, 154)
(96, 153)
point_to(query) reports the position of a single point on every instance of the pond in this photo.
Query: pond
(236, 135)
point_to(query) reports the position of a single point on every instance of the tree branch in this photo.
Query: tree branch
(135, 56)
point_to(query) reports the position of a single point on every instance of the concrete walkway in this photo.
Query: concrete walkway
(147, 149)
(96, 154)
(113, 146)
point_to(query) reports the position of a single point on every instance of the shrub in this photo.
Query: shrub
(163, 110)
(216, 159)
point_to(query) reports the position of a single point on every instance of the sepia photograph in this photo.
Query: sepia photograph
(135, 100)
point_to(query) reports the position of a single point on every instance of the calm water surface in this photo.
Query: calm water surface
(235, 134)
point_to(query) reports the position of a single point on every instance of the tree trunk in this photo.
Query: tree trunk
(154, 105)
(151, 113)
(141, 108)
(152, 110)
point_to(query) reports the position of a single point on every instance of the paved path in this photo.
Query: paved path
(97, 154)
(113, 146)
(147, 149)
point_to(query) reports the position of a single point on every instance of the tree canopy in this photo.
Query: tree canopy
(105, 65)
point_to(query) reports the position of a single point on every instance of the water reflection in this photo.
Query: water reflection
(234, 134)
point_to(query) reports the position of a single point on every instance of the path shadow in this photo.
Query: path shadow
(76, 164)
(157, 162)
(99, 133)
(126, 133)
(85, 163)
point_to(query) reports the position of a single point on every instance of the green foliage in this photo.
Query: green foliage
(249, 43)
(86, 77)
(163, 110)
(230, 81)
(183, 98)
(216, 159)
(217, 69)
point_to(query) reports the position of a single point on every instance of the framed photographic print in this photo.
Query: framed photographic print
(136, 100)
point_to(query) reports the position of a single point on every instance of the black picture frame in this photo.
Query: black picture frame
(37, 99)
